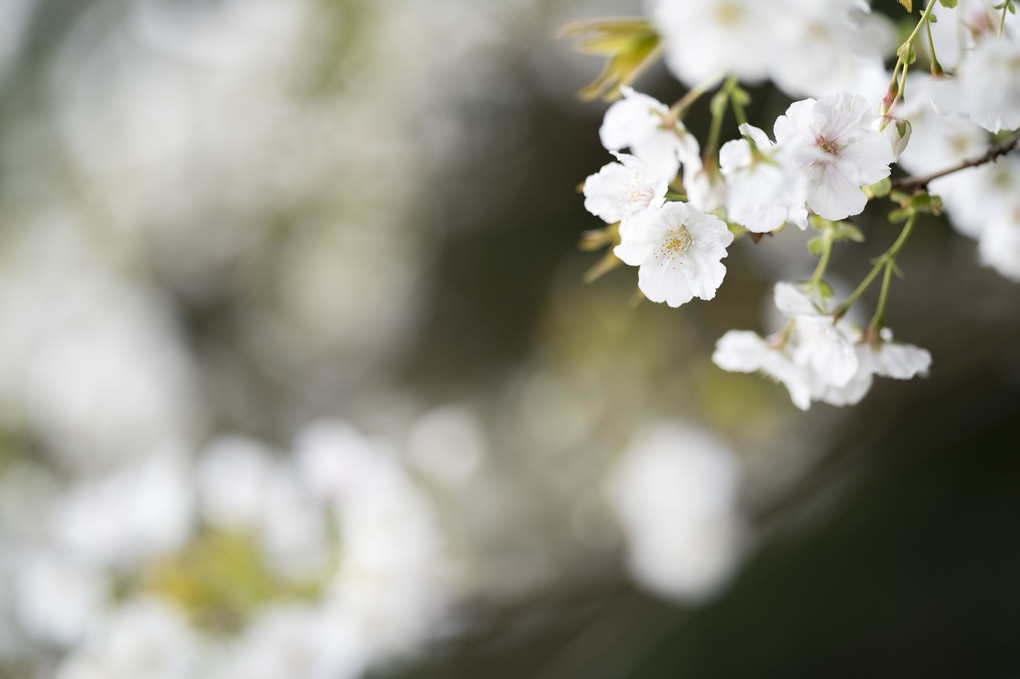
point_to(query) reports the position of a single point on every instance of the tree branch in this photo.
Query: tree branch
(914, 183)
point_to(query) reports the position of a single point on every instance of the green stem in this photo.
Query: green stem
(823, 263)
(901, 60)
(738, 109)
(678, 109)
(886, 261)
(876, 320)
(1002, 20)
(905, 47)
(718, 106)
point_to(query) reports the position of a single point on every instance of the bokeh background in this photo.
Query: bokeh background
(299, 377)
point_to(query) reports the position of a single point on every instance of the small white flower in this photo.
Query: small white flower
(636, 122)
(832, 143)
(761, 195)
(678, 249)
(824, 346)
(623, 189)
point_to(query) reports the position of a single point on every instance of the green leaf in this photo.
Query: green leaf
(908, 4)
(631, 45)
(948, 3)
(824, 289)
(911, 55)
(932, 19)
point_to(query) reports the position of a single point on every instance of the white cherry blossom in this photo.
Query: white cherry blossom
(623, 189)
(831, 142)
(678, 250)
(636, 122)
(761, 195)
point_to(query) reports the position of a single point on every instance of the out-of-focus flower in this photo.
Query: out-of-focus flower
(142, 638)
(986, 86)
(58, 598)
(139, 511)
(832, 143)
(678, 250)
(706, 39)
(999, 246)
(674, 494)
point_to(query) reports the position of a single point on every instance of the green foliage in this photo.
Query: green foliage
(632, 45)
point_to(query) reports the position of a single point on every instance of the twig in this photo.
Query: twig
(914, 183)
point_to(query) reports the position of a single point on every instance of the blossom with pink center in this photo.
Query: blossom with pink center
(831, 142)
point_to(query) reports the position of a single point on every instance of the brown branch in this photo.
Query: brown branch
(914, 183)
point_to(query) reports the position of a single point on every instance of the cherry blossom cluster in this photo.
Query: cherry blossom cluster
(674, 205)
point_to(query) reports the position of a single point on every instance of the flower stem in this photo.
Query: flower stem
(823, 263)
(719, 105)
(678, 109)
(887, 261)
(899, 74)
(1002, 20)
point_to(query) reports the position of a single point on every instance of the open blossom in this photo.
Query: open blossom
(623, 189)
(817, 358)
(678, 250)
(636, 122)
(761, 195)
(831, 142)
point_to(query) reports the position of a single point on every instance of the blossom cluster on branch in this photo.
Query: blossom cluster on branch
(674, 205)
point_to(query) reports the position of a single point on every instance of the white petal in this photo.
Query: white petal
(832, 195)
(792, 302)
(663, 282)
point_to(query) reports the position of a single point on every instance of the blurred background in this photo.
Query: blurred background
(299, 378)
